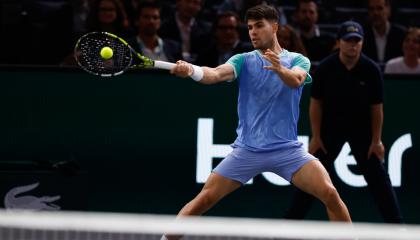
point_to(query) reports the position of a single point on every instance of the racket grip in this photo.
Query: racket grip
(164, 65)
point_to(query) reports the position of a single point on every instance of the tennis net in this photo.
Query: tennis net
(24, 225)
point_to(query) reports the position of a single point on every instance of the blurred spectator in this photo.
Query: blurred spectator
(318, 44)
(147, 42)
(241, 6)
(185, 28)
(131, 7)
(289, 39)
(381, 36)
(226, 42)
(80, 13)
(409, 63)
(108, 16)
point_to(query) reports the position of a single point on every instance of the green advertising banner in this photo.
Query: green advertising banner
(145, 142)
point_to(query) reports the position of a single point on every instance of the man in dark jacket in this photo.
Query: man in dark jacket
(148, 42)
(185, 28)
(382, 38)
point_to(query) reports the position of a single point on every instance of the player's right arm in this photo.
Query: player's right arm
(221, 73)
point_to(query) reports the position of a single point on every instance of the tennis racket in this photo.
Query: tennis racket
(124, 57)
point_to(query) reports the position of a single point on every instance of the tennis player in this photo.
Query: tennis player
(270, 80)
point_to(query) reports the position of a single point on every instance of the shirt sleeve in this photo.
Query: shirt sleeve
(236, 61)
(303, 63)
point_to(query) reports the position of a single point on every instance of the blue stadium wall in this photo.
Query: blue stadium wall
(144, 142)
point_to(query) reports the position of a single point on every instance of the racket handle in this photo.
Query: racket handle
(164, 65)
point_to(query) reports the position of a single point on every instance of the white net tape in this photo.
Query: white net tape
(76, 225)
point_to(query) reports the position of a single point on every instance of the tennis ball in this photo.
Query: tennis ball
(106, 53)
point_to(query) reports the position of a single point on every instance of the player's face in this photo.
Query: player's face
(351, 48)
(262, 33)
(149, 21)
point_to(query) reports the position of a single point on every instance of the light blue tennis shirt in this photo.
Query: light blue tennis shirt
(268, 109)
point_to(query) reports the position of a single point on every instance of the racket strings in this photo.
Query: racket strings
(89, 58)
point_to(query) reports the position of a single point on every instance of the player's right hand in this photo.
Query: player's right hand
(315, 144)
(182, 69)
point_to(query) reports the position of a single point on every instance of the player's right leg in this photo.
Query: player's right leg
(215, 189)
(233, 172)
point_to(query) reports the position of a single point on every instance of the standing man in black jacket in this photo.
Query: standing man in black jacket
(347, 106)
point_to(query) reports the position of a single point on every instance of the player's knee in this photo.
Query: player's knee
(330, 195)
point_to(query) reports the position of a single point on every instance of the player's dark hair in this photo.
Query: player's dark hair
(262, 11)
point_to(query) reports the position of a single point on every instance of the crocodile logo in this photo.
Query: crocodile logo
(13, 201)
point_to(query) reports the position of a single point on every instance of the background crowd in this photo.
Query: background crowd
(207, 32)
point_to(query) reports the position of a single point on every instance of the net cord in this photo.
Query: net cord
(203, 226)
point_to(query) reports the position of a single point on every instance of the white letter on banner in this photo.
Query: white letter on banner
(206, 151)
(341, 167)
(395, 158)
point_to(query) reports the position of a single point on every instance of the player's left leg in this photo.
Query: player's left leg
(314, 179)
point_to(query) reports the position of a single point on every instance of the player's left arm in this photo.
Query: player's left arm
(293, 77)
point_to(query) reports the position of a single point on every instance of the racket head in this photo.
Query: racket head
(88, 57)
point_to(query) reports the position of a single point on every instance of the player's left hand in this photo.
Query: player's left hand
(378, 149)
(274, 59)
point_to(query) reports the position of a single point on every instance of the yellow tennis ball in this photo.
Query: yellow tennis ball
(106, 53)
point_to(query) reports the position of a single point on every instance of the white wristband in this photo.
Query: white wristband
(197, 74)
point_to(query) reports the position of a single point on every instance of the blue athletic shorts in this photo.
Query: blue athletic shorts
(241, 165)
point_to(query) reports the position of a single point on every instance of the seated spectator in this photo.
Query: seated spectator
(241, 6)
(108, 16)
(147, 42)
(318, 44)
(382, 36)
(289, 40)
(409, 63)
(226, 42)
(183, 27)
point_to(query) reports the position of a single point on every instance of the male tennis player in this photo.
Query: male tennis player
(271, 80)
